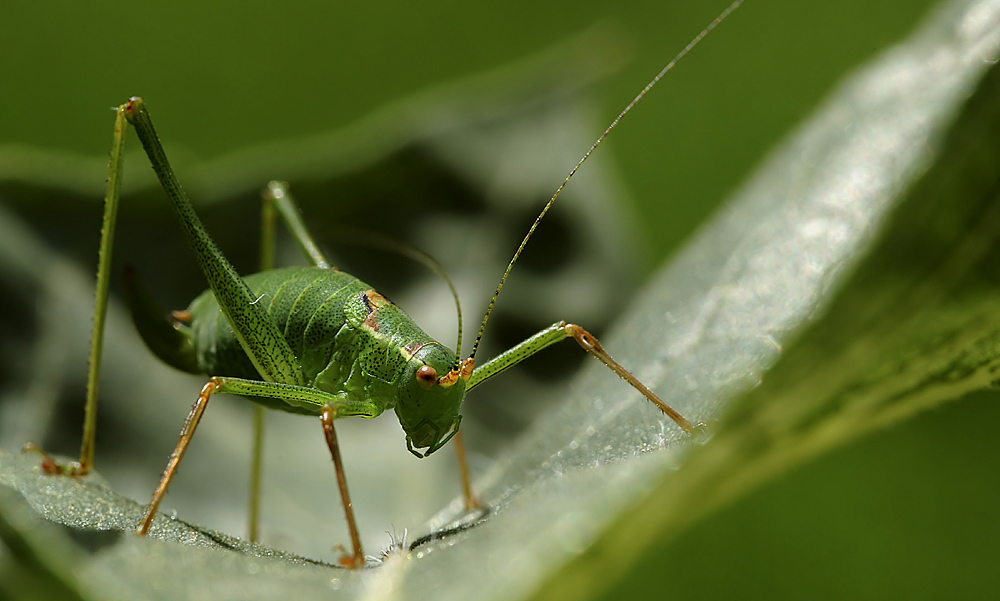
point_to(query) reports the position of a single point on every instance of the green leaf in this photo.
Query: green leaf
(850, 284)
(876, 229)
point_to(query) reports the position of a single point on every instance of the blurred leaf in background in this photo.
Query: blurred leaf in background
(763, 71)
(231, 74)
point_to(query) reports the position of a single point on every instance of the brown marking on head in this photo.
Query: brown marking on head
(468, 366)
(463, 371)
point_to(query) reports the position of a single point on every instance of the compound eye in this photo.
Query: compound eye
(427, 376)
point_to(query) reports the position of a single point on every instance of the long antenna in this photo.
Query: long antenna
(431, 263)
(694, 42)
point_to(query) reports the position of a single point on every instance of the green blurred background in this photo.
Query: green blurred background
(223, 75)
(904, 512)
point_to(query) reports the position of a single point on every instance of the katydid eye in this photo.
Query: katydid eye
(427, 376)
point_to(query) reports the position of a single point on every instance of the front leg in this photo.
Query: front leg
(561, 331)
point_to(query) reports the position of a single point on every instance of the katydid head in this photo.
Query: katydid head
(431, 389)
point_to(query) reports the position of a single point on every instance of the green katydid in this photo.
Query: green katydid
(312, 340)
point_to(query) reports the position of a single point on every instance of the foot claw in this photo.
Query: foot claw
(50, 466)
(350, 561)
